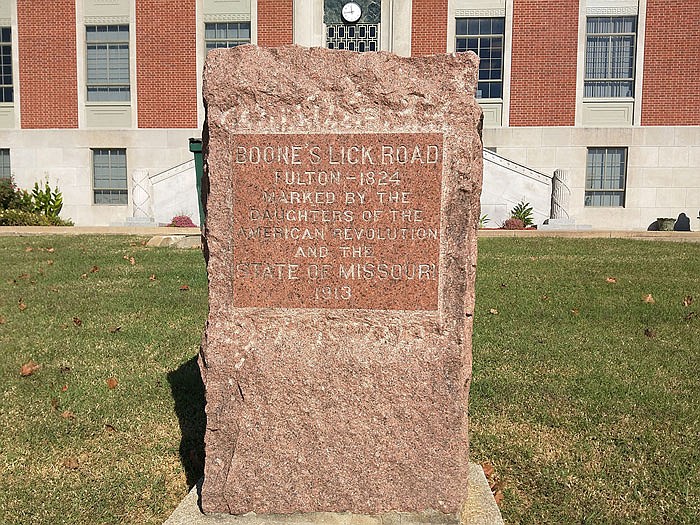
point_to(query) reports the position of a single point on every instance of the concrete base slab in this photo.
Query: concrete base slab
(176, 241)
(563, 225)
(479, 509)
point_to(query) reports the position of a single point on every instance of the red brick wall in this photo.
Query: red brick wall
(429, 27)
(543, 67)
(275, 22)
(166, 73)
(671, 82)
(47, 63)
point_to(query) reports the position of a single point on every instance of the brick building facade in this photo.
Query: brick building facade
(100, 97)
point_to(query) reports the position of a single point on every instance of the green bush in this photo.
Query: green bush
(46, 201)
(28, 218)
(41, 207)
(11, 197)
(522, 211)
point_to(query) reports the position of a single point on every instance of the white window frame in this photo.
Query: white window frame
(112, 90)
(226, 41)
(601, 178)
(479, 36)
(116, 183)
(5, 46)
(5, 165)
(591, 63)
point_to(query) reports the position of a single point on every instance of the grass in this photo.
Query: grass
(74, 450)
(585, 397)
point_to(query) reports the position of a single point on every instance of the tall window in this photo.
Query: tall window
(226, 34)
(109, 176)
(610, 49)
(358, 37)
(6, 92)
(606, 171)
(108, 63)
(484, 36)
(5, 172)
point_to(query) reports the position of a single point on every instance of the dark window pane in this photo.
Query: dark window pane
(461, 28)
(498, 26)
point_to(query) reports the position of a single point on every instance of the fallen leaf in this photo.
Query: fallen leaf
(114, 329)
(70, 463)
(143, 243)
(545, 297)
(687, 300)
(77, 321)
(2, 320)
(488, 469)
(575, 311)
(29, 249)
(54, 403)
(94, 269)
(29, 368)
(690, 316)
(64, 388)
(64, 326)
(184, 288)
(126, 257)
(49, 262)
(498, 496)
(109, 428)
(83, 276)
(67, 414)
(649, 333)
(648, 299)
(610, 280)
(504, 285)
(112, 383)
(21, 305)
(493, 311)
(132, 261)
(50, 250)
(152, 277)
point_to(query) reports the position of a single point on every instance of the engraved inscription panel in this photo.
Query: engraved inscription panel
(336, 221)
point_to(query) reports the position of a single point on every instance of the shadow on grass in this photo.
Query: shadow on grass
(188, 394)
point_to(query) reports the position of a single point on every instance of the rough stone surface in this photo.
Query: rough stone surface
(480, 509)
(316, 409)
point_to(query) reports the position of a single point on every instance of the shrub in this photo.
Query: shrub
(513, 224)
(11, 197)
(522, 211)
(41, 207)
(483, 220)
(182, 221)
(28, 218)
(45, 201)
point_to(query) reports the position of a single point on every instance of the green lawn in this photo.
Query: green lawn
(585, 397)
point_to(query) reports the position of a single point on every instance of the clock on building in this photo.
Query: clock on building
(351, 12)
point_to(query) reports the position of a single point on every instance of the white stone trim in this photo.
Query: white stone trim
(480, 13)
(105, 20)
(5, 22)
(308, 27)
(507, 61)
(611, 11)
(639, 64)
(231, 17)
(400, 26)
